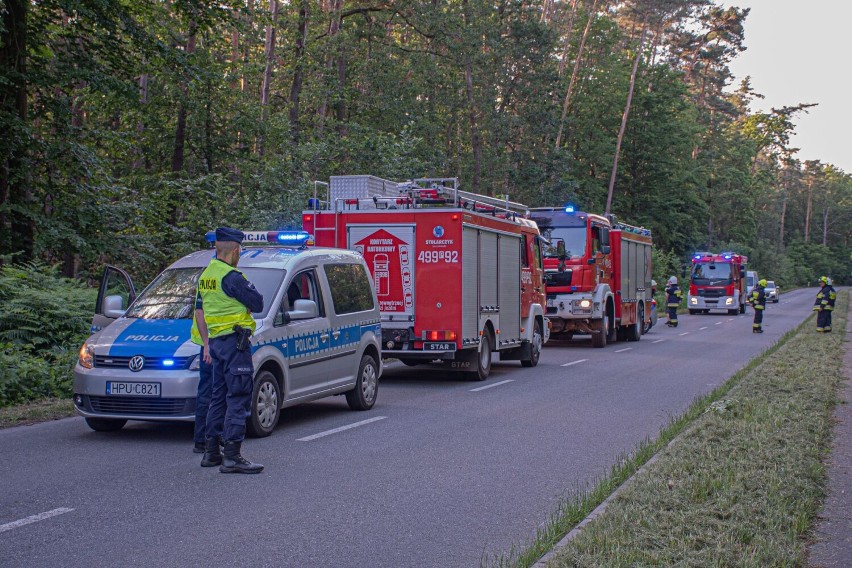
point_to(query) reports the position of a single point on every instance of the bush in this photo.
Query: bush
(44, 318)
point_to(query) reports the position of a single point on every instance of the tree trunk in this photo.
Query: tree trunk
(576, 71)
(625, 115)
(298, 70)
(475, 138)
(825, 225)
(334, 8)
(180, 130)
(14, 177)
(567, 45)
(139, 160)
(269, 53)
(808, 209)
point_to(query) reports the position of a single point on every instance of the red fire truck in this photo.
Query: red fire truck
(597, 275)
(717, 282)
(458, 275)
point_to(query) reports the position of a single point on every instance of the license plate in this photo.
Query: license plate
(132, 389)
(439, 346)
(551, 303)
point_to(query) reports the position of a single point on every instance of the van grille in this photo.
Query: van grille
(142, 405)
(179, 363)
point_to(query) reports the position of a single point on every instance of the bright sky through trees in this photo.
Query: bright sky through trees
(798, 52)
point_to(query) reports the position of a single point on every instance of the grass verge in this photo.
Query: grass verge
(34, 412)
(741, 487)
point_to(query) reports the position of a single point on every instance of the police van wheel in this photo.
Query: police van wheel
(105, 424)
(265, 405)
(483, 358)
(535, 347)
(363, 396)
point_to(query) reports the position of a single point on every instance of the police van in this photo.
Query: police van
(318, 335)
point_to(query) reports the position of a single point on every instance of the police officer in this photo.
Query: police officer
(228, 299)
(200, 337)
(758, 302)
(673, 296)
(824, 304)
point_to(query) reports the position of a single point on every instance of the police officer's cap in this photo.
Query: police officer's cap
(225, 234)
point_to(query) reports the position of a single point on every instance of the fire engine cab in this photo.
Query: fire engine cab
(458, 275)
(717, 282)
(597, 275)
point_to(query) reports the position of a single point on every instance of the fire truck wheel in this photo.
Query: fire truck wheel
(693, 312)
(483, 359)
(634, 332)
(363, 396)
(535, 347)
(265, 405)
(742, 308)
(601, 328)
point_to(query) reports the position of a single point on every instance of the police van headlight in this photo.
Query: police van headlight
(196, 363)
(87, 356)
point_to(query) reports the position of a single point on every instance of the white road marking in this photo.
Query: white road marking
(574, 362)
(623, 350)
(700, 328)
(658, 341)
(34, 519)
(684, 333)
(494, 385)
(341, 429)
(718, 323)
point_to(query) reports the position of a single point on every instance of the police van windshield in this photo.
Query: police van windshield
(172, 294)
(711, 274)
(574, 238)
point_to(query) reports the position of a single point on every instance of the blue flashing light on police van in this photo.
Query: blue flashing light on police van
(570, 209)
(697, 257)
(210, 236)
(168, 362)
(291, 238)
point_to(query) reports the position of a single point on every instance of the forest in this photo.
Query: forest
(132, 127)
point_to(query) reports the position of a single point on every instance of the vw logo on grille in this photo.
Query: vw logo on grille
(136, 363)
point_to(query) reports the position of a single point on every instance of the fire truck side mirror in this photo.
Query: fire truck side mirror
(560, 250)
(742, 271)
(605, 249)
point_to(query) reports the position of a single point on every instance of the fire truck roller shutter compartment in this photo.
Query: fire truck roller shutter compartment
(488, 309)
(470, 285)
(509, 289)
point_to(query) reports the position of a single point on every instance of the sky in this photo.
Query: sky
(799, 52)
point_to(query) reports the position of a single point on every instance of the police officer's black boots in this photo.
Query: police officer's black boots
(235, 463)
(212, 453)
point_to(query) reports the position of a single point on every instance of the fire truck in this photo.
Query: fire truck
(717, 282)
(458, 275)
(597, 275)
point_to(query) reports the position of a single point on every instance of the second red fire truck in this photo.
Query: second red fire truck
(458, 275)
(597, 274)
(717, 282)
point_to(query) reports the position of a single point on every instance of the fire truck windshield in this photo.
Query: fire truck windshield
(573, 237)
(711, 274)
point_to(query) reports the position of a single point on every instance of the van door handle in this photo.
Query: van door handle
(336, 334)
(324, 337)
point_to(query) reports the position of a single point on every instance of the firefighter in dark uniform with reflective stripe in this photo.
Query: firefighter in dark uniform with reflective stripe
(228, 299)
(824, 304)
(673, 296)
(758, 302)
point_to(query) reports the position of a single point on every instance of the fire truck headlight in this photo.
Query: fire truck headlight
(693, 301)
(585, 304)
(729, 301)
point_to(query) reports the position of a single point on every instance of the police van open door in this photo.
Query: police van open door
(114, 297)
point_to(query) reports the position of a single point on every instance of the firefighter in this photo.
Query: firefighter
(758, 302)
(824, 304)
(673, 296)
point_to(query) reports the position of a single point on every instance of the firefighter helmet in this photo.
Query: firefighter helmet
(762, 282)
(672, 280)
(824, 279)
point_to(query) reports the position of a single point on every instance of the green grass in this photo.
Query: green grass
(740, 487)
(34, 412)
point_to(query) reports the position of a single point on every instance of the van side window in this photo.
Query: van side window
(350, 288)
(302, 287)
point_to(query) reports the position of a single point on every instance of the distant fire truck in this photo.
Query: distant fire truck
(717, 282)
(597, 275)
(458, 275)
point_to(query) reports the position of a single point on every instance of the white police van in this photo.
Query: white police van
(318, 335)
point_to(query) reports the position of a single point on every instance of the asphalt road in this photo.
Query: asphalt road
(446, 472)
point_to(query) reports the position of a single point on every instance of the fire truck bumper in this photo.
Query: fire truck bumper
(721, 303)
(424, 356)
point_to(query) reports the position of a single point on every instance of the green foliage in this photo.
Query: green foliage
(44, 319)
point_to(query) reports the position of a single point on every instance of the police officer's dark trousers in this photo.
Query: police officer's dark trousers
(202, 401)
(232, 387)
